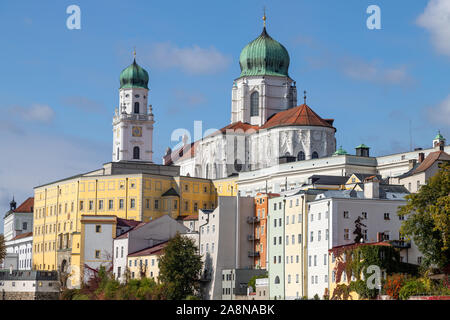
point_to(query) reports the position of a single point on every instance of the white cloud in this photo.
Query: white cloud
(440, 114)
(191, 60)
(35, 113)
(83, 103)
(436, 19)
(31, 159)
(374, 72)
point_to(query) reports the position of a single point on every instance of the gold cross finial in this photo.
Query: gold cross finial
(134, 52)
(264, 16)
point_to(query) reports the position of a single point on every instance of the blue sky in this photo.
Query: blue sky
(59, 87)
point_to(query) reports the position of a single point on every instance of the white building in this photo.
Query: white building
(19, 219)
(19, 252)
(29, 285)
(133, 120)
(331, 222)
(224, 241)
(142, 236)
(18, 233)
(266, 122)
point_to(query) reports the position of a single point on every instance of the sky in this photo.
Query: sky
(388, 88)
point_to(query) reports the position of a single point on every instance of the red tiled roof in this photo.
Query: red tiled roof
(189, 217)
(148, 251)
(23, 235)
(26, 206)
(127, 222)
(302, 115)
(430, 159)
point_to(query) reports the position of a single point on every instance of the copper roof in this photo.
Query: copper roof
(148, 251)
(26, 206)
(302, 115)
(430, 159)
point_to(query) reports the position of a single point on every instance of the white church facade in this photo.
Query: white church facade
(267, 127)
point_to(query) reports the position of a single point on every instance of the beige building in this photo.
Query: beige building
(145, 263)
(421, 170)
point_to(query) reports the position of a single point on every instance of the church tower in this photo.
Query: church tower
(133, 120)
(264, 86)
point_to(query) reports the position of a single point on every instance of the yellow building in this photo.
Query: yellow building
(145, 263)
(128, 190)
(226, 187)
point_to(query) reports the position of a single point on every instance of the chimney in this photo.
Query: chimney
(411, 163)
(421, 157)
(372, 188)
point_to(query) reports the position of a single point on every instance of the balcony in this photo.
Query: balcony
(401, 244)
(252, 237)
(252, 219)
(253, 254)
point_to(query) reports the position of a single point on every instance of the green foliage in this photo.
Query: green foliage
(180, 267)
(252, 282)
(81, 296)
(2, 248)
(361, 288)
(69, 294)
(341, 292)
(411, 288)
(316, 297)
(428, 218)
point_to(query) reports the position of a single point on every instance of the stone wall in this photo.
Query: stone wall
(29, 295)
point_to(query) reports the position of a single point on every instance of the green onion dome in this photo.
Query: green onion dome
(134, 76)
(264, 56)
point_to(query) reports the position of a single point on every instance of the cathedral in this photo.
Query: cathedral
(267, 126)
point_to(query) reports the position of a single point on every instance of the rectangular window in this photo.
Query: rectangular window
(279, 240)
(287, 240)
(91, 205)
(346, 216)
(319, 235)
(274, 223)
(293, 239)
(81, 205)
(315, 260)
(132, 203)
(325, 259)
(364, 215)
(111, 204)
(312, 236)
(97, 254)
(274, 241)
(156, 204)
(326, 234)
(98, 228)
(386, 216)
(100, 204)
(346, 234)
(299, 238)
(299, 218)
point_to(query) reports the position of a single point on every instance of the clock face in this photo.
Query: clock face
(137, 131)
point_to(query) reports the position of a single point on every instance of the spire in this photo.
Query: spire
(304, 97)
(264, 17)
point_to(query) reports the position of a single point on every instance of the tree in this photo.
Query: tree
(428, 218)
(358, 230)
(180, 267)
(252, 281)
(2, 248)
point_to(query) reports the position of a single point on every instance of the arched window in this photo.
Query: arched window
(254, 104)
(315, 155)
(136, 153)
(301, 156)
(136, 107)
(277, 280)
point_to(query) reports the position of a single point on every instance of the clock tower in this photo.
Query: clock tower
(133, 120)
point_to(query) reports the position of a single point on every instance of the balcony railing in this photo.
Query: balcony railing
(252, 219)
(402, 244)
(253, 253)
